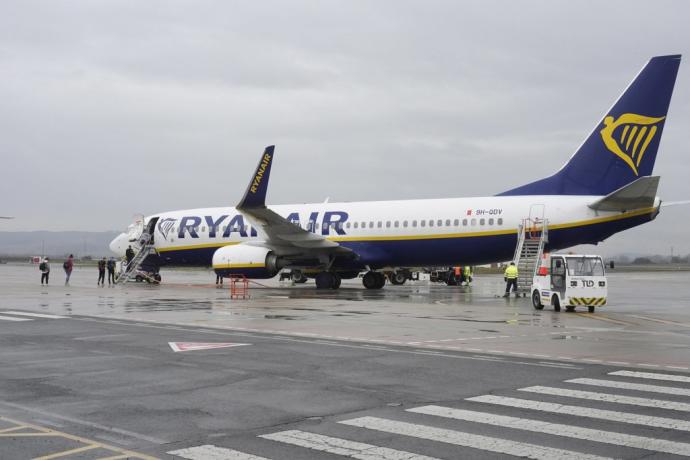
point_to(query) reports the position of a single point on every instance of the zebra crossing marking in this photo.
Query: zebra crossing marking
(35, 315)
(652, 376)
(459, 438)
(605, 397)
(614, 416)
(632, 386)
(337, 446)
(211, 452)
(557, 429)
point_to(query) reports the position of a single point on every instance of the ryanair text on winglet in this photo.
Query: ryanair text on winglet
(260, 173)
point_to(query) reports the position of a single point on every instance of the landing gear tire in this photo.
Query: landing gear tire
(590, 308)
(324, 280)
(570, 309)
(398, 278)
(157, 277)
(536, 301)
(336, 281)
(556, 303)
(139, 279)
(373, 280)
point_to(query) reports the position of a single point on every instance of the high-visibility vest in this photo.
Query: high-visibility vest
(511, 272)
(468, 270)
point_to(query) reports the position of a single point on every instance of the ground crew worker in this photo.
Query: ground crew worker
(458, 275)
(510, 276)
(467, 274)
(45, 270)
(68, 265)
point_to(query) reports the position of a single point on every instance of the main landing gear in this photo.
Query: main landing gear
(374, 280)
(327, 280)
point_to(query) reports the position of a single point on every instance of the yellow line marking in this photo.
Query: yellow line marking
(88, 442)
(601, 317)
(7, 430)
(68, 452)
(662, 321)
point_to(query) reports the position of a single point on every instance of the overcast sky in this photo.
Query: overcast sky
(111, 108)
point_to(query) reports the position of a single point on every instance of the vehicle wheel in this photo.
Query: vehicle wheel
(324, 280)
(138, 278)
(336, 281)
(590, 308)
(298, 277)
(398, 278)
(370, 280)
(536, 300)
(570, 308)
(157, 277)
(556, 303)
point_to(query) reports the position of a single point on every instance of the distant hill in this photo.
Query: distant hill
(57, 244)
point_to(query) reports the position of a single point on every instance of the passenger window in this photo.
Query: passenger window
(500, 221)
(474, 222)
(396, 224)
(491, 221)
(481, 221)
(405, 223)
(439, 223)
(431, 223)
(464, 222)
(378, 224)
(414, 223)
(447, 222)
(456, 222)
(371, 224)
(347, 225)
(364, 225)
(356, 224)
(388, 224)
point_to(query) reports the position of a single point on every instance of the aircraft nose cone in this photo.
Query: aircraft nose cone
(118, 244)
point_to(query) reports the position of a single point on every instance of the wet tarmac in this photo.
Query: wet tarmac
(416, 371)
(647, 320)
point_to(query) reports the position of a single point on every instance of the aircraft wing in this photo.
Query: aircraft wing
(280, 232)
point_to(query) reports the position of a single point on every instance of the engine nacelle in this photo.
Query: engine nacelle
(242, 259)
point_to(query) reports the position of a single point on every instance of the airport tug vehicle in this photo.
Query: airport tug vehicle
(570, 281)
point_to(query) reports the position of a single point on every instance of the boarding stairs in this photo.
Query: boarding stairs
(533, 234)
(145, 244)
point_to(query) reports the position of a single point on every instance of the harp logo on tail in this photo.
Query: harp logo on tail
(629, 136)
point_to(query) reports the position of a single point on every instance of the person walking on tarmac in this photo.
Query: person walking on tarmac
(111, 271)
(510, 276)
(44, 266)
(101, 272)
(68, 265)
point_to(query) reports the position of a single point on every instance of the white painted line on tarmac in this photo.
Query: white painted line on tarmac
(614, 416)
(605, 397)
(557, 429)
(475, 441)
(99, 337)
(35, 315)
(12, 318)
(652, 376)
(632, 386)
(211, 452)
(337, 446)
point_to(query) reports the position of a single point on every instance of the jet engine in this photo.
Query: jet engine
(242, 259)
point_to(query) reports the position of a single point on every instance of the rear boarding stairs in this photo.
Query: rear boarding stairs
(533, 234)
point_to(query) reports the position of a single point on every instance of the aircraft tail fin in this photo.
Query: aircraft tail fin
(623, 145)
(255, 196)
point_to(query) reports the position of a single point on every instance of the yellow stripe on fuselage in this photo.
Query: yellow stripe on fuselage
(581, 223)
(254, 265)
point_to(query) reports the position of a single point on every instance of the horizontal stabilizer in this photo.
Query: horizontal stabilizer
(636, 195)
(674, 203)
(255, 196)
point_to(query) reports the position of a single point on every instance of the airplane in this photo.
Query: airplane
(606, 187)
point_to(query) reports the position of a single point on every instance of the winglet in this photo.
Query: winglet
(255, 196)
